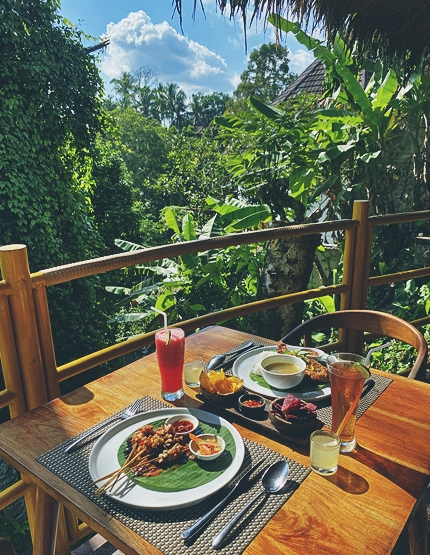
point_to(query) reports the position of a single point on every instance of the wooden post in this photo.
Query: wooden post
(356, 269)
(9, 360)
(15, 271)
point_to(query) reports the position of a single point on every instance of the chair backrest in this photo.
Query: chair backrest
(6, 547)
(371, 321)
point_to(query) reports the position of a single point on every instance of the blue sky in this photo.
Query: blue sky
(208, 56)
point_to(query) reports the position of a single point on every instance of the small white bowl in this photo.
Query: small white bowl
(283, 381)
(188, 418)
(195, 451)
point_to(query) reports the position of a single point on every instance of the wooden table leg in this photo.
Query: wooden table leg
(418, 529)
(45, 523)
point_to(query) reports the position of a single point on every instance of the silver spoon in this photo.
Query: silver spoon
(218, 360)
(274, 480)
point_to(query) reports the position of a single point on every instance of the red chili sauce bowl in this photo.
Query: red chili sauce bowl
(183, 423)
(252, 406)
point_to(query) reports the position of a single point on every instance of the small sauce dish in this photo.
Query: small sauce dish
(282, 371)
(183, 423)
(207, 447)
(252, 406)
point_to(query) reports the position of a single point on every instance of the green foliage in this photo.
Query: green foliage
(265, 77)
(50, 114)
(195, 168)
(203, 108)
(199, 283)
(115, 211)
(17, 532)
(146, 142)
(164, 103)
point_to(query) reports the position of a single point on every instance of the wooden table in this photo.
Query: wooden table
(377, 492)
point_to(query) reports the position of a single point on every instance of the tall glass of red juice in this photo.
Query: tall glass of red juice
(170, 356)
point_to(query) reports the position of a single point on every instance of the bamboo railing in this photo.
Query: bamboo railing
(27, 352)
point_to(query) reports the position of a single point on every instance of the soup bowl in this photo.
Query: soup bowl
(282, 371)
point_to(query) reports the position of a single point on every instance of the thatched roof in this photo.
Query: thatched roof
(398, 28)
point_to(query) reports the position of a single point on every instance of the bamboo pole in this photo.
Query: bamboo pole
(46, 341)
(12, 493)
(114, 351)
(14, 394)
(359, 271)
(68, 272)
(15, 271)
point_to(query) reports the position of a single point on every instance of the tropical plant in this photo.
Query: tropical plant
(196, 283)
(266, 75)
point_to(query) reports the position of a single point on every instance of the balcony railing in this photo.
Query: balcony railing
(31, 375)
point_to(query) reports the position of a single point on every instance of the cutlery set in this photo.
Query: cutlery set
(273, 479)
(222, 360)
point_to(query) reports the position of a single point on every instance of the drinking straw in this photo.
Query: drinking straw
(366, 362)
(346, 417)
(164, 316)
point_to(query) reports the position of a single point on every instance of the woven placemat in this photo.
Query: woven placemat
(324, 410)
(163, 528)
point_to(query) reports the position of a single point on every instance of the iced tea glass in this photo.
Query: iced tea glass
(347, 374)
(170, 348)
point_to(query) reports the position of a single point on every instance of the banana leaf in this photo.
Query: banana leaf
(191, 474)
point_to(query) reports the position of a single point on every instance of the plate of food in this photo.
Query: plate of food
(142, 463)
(315, 385)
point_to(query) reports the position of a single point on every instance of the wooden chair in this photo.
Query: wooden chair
(6, 547)
(378, 323)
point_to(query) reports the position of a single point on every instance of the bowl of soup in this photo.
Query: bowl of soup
(283, 371)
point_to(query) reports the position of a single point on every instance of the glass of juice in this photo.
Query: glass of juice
(347, 374)
(170, 347)
(324, 452)
(193, 367)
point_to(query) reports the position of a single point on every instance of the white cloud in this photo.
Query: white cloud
(136, 42)
(300, 60)
(235, 80)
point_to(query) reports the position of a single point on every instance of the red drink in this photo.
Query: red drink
(171, 362)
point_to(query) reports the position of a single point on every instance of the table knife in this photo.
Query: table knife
(194, 528)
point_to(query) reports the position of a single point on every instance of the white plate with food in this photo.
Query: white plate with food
(181, 482)
(307, 390)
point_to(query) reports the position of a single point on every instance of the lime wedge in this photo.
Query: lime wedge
(168, 336)
(362, 370)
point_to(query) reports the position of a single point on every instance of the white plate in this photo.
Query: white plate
(103, 460)
(242, 369)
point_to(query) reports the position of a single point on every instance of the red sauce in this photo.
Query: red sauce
(252, 403)
(182, 426)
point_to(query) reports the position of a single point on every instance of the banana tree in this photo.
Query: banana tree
(198, 283)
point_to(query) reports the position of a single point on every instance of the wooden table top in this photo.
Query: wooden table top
(363, 507)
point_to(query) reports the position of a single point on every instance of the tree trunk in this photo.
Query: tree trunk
(287, 268)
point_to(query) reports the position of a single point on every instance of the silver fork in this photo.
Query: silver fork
(131, 411)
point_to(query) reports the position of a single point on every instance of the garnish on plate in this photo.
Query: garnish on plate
(315, 371)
